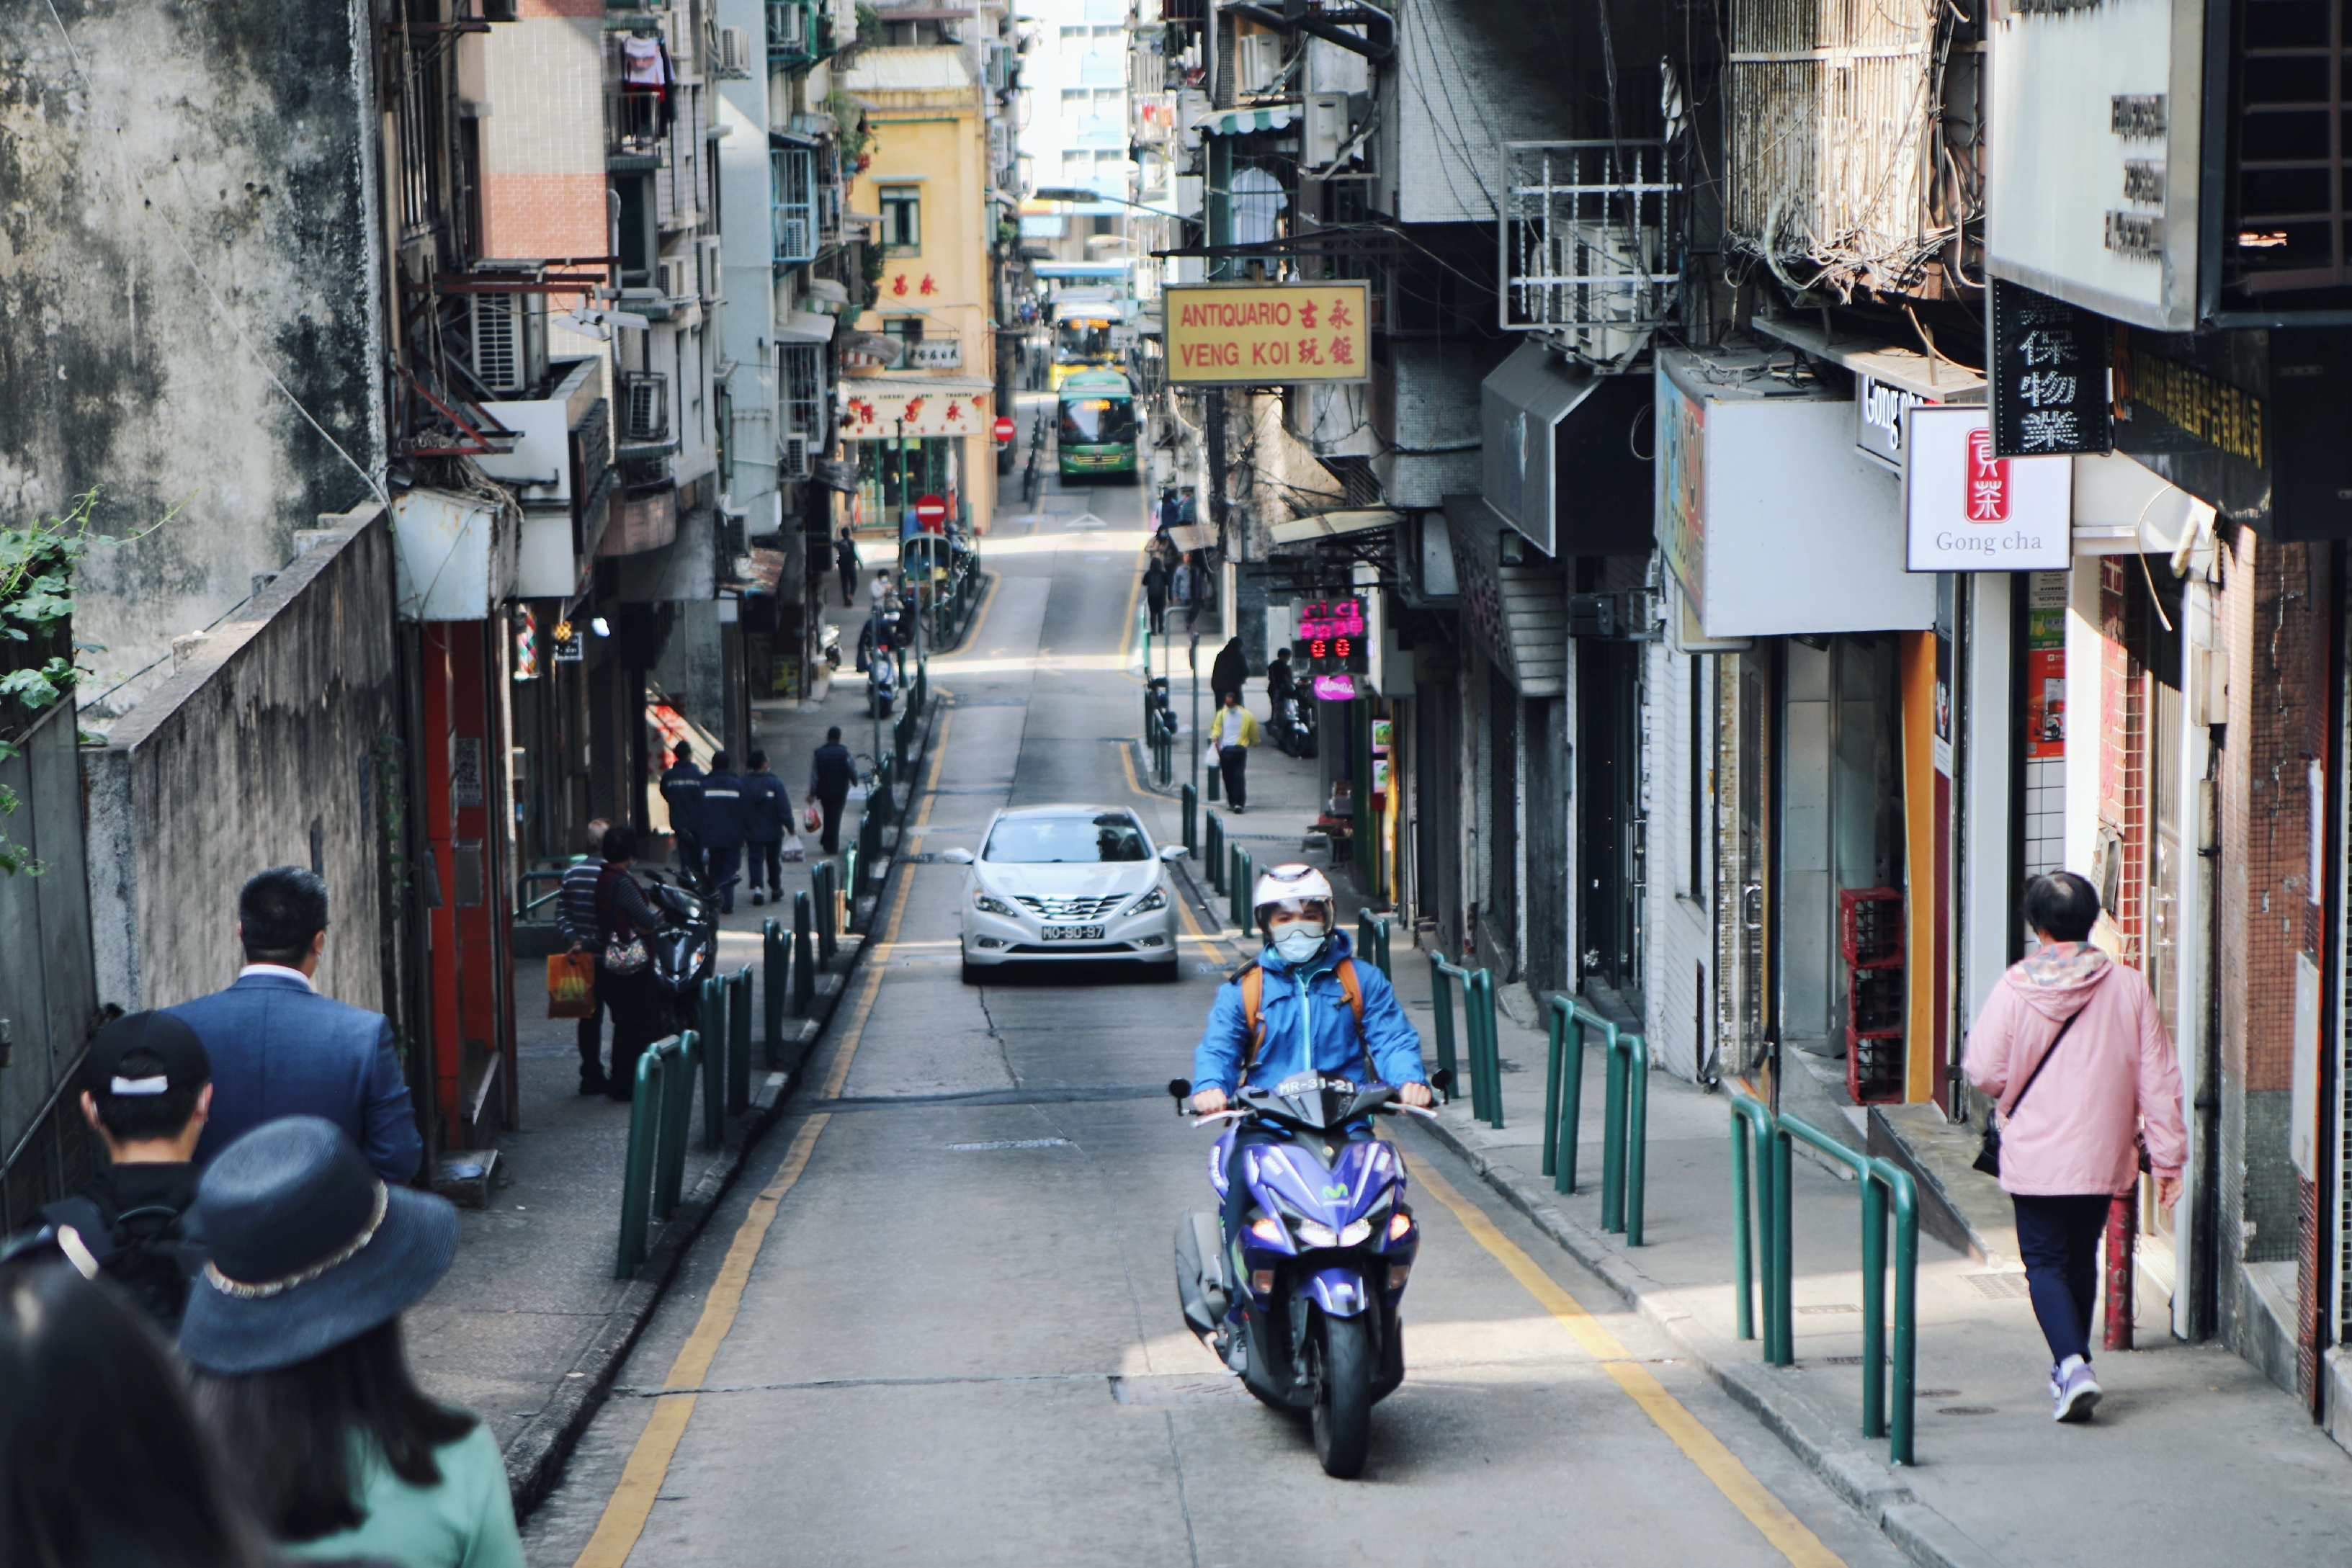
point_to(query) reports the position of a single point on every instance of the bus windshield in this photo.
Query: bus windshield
(1097, 421)
(1084, 340)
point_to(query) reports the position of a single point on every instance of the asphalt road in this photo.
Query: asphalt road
(929, 1330)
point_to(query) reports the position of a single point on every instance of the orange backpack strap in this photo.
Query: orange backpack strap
(1252, 980)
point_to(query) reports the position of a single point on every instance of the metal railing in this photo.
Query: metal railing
(1372, 939)
(775, 970)
(654, 1173)
(1760, 1143)
(1625, 1116)
(803, 954)
(526, 905)
(1160, 735)
(1478, 1018)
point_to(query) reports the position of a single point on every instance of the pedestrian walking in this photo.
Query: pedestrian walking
(1229, 672)
(767, 815)
(832, 770)
(882, 684)
(844, 557)
(1165, 517)
(102, 1462)
(2071, 1051)
(877, 590)
(624, 919)
(1155, 593)
(575, 920)
(295, 1337)
(280, 1049)
(681, 790)
(146, 1085)
(1234, 734)
(723, 834)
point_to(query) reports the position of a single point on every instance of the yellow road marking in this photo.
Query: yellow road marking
(1719, 1463)
(972, 634)
(1126, 640)
(632, 1503)
(932, 785)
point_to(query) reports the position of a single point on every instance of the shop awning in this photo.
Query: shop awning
(1517, 610)
(1190, 537)
(1244, 122)
(873, 346)
(1324, 524)
(805, 326)
(1559, 452)
(916, 403)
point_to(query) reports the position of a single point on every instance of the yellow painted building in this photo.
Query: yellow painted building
(925, 428)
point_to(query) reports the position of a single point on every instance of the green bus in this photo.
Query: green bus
(1094, 427)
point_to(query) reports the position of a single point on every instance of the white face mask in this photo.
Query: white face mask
(1298, 943)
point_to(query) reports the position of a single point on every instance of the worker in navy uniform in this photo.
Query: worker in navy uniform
(681, 786)
(722, 830)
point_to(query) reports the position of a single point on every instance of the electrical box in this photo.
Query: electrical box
(1327, 129)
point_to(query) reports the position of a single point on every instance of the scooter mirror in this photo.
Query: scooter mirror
(956, 857)
(1442, 1081)
(1179, 1089)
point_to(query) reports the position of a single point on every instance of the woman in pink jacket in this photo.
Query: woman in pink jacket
(2074, 1142)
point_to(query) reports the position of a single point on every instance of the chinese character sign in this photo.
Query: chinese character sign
(875, 410)
(2048, 378)
(1330, 636)
(1268, 334)
(1969, 509)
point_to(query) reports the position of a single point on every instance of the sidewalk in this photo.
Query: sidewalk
(2195, 1457)
(528, 1327)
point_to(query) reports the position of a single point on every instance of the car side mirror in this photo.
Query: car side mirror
(957, 857)
(1174, 852)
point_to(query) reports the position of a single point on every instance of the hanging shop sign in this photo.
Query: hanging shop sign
(884, 411)
(2047, 376)
(567, 644)
(1878, 410)
(1965, 510)
(1268, 334)
(1331, 637)
(2045, 665)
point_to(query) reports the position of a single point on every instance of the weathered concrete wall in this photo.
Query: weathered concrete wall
(186, 211)
(274, 744)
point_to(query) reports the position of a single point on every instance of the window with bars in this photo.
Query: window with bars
(902, 218)
(2293, 211)
(801, 389)
(793, 198)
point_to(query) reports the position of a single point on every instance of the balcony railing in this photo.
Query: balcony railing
(1583, 234)
(792, 33)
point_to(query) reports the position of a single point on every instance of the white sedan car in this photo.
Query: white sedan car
(1060, 883)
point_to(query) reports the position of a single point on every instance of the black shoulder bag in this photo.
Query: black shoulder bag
(1987, 1158)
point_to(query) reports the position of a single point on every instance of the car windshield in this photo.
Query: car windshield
(1049, 840)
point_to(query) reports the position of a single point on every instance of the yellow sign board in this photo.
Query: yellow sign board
(1263, 334)
(883, 411)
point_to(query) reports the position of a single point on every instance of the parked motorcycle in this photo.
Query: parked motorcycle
(1294, 735)
(1304, 1304)
(685, 951)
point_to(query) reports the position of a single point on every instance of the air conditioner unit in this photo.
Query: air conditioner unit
(644, 406)
(1327, 129)
(734, 52)
(1000, 67)
(714, 271)
(677, 279)
(509, 335)
(793, 456)
(1257, 61)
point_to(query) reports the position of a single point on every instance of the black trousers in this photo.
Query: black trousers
(830, 805)
(725, 867)
(636, 1004)
(2058, 1238)
(767, 861)
(1159, 607)
(1232, 762)
(689, 853)
(848, 585)
(591, 1036)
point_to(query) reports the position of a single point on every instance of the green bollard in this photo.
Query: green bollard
(739, 1042)
(714, 1034)
(638, 1178)
(1441, 999)
(824, 896)
(775, 966)
(803, 954)
(677, 1114)
(1191, 801)
(1244, 874)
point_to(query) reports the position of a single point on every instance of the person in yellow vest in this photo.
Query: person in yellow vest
(1302, 1005)
(1233, 732)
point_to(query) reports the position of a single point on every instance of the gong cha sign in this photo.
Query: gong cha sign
(1968, 510)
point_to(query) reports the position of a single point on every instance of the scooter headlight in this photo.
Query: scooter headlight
(1356, 1234)
(1266, 1228)
(1400, 1224)
(1310, 1234)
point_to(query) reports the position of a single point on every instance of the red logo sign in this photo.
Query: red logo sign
(1988, 480)
(1005, 429)
(930, 510)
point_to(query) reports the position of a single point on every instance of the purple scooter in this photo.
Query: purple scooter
(1302, 1304)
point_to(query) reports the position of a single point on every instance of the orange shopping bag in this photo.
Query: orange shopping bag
(571, 985)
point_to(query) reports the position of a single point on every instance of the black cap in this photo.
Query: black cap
(162, 1035)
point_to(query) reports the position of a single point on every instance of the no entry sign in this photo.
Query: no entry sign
(931, 511)
(1005, 429)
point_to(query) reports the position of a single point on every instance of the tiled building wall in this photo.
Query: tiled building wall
(543, 145)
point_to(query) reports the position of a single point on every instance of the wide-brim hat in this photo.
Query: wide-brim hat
(310, 1248)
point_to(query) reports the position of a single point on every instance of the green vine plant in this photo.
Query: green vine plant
(36, 566)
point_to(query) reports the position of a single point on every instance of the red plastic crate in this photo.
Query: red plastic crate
(1870, 927)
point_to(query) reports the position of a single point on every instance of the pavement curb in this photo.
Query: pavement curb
(536, 1456)
(1867, 1484)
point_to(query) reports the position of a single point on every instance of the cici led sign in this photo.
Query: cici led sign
(1331, 634)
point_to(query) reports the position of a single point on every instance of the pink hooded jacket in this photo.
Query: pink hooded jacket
(2113, 1077)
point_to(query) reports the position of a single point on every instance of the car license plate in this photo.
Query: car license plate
(1072, 934)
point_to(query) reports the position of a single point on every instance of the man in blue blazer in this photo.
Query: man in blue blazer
(280, 1049)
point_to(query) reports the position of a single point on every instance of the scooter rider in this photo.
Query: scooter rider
(1302, 1005)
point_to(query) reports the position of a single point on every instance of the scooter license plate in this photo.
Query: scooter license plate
(1072, 934)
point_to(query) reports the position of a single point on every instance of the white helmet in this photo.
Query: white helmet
(1295, 890)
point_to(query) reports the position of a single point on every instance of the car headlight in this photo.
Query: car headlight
(1155, 899)
(988, 904)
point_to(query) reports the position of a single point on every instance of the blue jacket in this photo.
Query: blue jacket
(279, 1049)
(1319, 1032)
(721, 827)
(767, 809)
(681, 786)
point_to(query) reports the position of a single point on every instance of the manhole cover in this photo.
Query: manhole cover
(1851, 1360)
(1013, 1144)
(1837, 1307)
(1964, 1410)
(1939, 1393)
(1178, 1388)
(2001, 1287)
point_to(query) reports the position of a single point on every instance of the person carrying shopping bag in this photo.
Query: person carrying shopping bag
(2073, 1053)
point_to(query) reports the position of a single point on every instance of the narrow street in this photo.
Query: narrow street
(936, 1322)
